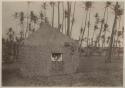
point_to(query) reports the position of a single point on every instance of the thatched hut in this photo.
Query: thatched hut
(48, 52)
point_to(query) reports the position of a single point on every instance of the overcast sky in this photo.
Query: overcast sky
(9, 8)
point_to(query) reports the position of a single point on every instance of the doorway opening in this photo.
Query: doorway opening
(57, 62)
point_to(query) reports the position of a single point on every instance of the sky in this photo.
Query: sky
(9, 8)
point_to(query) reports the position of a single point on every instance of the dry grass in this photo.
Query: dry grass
(93, 71)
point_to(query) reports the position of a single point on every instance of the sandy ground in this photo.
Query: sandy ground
(93, 71)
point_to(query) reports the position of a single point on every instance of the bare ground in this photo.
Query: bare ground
(93, 71)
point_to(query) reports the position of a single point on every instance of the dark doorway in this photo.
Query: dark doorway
(57, 62)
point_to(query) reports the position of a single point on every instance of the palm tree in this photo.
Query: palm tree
(10, 34)
(22, 22)
(122, 31)
(16, 15)
(68, 18)
(27, 29)
(88, 27)
(59, 15)
(103, 39)
(46, 20)
(52, 5)
(108, 4)
(105, 30)
(10, 43)
(21, 17)
(118, 12)
(63, 16)
(119, 33)
(103, 20)
(33, 19)
(108, 39)
(87, 7)
(41, 16)
(95, 27)
(44, 7)
(82, 31)
(21, 35)
(73, 19)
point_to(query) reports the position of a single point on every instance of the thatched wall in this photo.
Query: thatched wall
(33, 61)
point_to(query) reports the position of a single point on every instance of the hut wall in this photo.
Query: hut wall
(33, 61)
(70, 63)
(36, 61)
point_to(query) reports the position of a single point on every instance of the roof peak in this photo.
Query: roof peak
(47, 34)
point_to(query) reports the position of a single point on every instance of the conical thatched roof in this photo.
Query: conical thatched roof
(46, 35)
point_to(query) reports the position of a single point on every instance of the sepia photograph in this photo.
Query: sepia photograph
(62, 43)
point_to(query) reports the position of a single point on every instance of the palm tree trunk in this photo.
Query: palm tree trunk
(22, 28)
(116, 37)
(27, 27)
(93, 38)
(68, 18)
(103, 44)
(45, 9)
(73, 18)
(83, 32)
(117, 41)
(106, 28)
(53, 16)
(99, 36)
(93, 35)
(88, 28)
(117, 33)
(65, 26)
(58, 15)
(112, 35)
(81, 27)
(63, 16)
(88, 33)
(28, 8)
